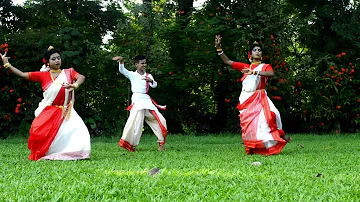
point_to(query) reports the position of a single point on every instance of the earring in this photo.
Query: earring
(261, 58)
(48, 65)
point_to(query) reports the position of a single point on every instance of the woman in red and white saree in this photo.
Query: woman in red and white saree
(57, 132)
(260, 120)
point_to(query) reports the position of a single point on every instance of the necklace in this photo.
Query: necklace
(254, 63)
(52, 78)
(55, 70)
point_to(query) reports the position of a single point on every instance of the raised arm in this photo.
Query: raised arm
(122, 68)
(17, 72)
(224, 58)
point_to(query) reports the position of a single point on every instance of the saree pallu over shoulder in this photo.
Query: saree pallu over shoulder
(259, 119)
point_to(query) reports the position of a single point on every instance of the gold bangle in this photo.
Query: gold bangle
(76, 85)
(218, 49)
(7, 65)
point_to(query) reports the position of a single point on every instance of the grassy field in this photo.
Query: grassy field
(193, 168)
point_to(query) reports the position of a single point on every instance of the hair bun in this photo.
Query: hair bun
(50, 48)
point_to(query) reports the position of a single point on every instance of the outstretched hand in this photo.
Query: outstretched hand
(119, 59)
(247, 71)
(4, 58)
(218, 41)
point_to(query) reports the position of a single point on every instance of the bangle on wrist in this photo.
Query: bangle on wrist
(219, 49)
(7, 65)
(76, 85)
(222, 52)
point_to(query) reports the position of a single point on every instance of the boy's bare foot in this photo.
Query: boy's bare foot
(161, 148)
(286, 138)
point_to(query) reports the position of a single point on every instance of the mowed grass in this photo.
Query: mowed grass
(193, 168)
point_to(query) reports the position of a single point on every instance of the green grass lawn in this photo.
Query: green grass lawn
(193, 168)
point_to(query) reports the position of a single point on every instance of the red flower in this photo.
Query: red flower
(336, 132)
(274, 88)
(311, 127)
(18, 105)
(338, 107)
(286, 69)
(274, 44)
(343, 53)
(11, 90)
(327, 75)
(351, 71)
(44, 60)
(343, 69)
(321, 124)
(6, 50)
(359, 100)
(227, 100)
(333, 77)
(299, 83)
(338, 56)
(170, 73)
(272, 37)
(350, 63)
(336, 71)
(297, 92)
(304, 111)
(7, 117)
(17, 111)
(332, 67)
(19, 99)
(282, 64)
(249, 55)
(353, 67)
(276, 97)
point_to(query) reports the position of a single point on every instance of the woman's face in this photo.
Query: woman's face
(55, 61)
(256, 52)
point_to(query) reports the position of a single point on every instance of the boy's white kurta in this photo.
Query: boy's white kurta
(142, 107)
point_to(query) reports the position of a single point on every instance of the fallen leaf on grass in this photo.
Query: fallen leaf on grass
(256, 163)
(318, 175)
(154, 171)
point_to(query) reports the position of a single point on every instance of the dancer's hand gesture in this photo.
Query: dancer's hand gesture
(247, 71)
(119, 59)
(4, 58)
(218, 42)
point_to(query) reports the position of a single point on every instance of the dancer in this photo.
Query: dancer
(57, 132)
(260, 120)
(142, 106)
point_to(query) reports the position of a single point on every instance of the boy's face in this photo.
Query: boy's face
(141, 65)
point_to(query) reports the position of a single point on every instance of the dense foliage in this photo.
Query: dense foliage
(312, 46)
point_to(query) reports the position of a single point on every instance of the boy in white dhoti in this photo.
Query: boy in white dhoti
(142, 106)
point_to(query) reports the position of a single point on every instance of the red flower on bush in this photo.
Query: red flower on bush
(11, 90)
(19, 99)
(332, 67)
(343, 54)
(338, 107)
(227, 100)
(338, 56)
(7, 117)
(321, 124)
(272, 37)
(276, 97)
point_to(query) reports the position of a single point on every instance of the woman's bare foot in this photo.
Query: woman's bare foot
(286, 138)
